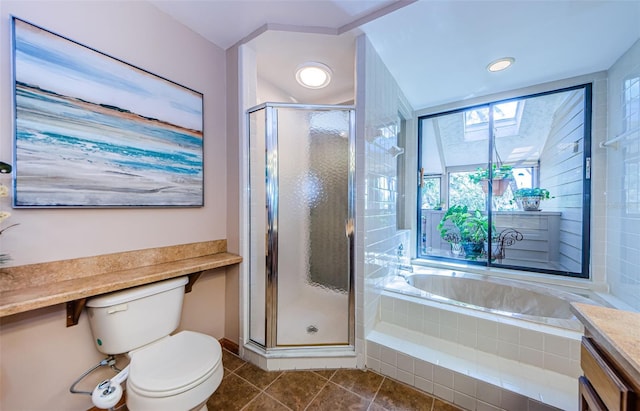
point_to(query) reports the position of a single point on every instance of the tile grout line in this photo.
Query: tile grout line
(377, 391)
(318, 393)
(260, 390)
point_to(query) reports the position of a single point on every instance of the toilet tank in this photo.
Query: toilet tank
(125, 320)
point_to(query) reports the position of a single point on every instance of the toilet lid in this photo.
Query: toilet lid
(174, 364)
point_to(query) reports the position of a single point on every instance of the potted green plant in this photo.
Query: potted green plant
(460, 226)
(529, 198)
(501, 177)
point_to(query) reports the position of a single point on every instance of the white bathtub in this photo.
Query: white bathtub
(514, 299)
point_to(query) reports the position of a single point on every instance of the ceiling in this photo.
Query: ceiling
(436, 50)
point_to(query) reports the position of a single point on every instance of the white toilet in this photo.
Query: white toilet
(167, 372)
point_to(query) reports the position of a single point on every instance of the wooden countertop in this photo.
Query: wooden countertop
(616, 331)
(29, 287)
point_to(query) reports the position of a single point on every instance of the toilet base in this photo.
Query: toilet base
(136, 402)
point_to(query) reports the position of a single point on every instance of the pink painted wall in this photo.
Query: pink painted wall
(40, 357)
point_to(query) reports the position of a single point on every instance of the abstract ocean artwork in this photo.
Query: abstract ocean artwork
(93, 131)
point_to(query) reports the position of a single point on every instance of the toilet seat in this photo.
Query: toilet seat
(174, 364)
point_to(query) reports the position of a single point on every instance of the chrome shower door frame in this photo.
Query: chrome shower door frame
(272, 219)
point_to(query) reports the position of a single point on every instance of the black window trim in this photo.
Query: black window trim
(586, 198)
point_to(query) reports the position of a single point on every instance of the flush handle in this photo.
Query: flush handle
(117, 308)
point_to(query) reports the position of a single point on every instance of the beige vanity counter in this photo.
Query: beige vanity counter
(610, 358)
(33, 286)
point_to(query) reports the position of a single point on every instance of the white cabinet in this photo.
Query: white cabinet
(540, 231)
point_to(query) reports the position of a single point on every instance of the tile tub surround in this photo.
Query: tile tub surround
(28, 287)
(521, 363)
(247, 387)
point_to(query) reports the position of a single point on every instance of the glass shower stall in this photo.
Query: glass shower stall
(301, 177)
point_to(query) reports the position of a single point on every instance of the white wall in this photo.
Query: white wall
(40, 356)
(622, 198)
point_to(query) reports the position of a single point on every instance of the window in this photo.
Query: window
(431, 198)
(631, 104)
(631, 153)
(487, 168)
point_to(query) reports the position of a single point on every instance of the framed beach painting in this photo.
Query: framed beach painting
(94, 131)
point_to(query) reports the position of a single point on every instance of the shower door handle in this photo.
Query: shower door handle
(348, 228)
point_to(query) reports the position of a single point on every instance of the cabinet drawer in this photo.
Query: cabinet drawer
(589, 400)
(614, 393)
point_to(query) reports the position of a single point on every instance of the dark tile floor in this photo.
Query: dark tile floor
(247, 387)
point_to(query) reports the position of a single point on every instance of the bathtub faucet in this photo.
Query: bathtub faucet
(402, 267)
(405, 268)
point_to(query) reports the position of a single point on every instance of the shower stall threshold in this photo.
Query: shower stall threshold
(300, 358)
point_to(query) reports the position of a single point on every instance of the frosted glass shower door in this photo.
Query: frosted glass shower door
(313, 211)
(301, 225)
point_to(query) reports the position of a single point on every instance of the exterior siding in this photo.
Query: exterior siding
(561, 173)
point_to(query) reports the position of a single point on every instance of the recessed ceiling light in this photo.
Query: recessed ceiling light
(313, 75)
(500, 64)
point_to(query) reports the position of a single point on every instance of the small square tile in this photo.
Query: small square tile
(388, 370)
(388, 356)
(423, 369)
(531, 357)
(373, 350)
(443, 376)
(512, 401)
(405, 377)
(373, 364)
(449, 319)
(423, 385)
(488, 393)
(449, 333)
(443, 392)
(487, 328)
(483, 406)
(508, 333)
(562, 365)
(531, 339)
(557, 345)
(464, 384)
(464, 401)
(468, 324)
(405, 362)
(487, 344)
(508, 350)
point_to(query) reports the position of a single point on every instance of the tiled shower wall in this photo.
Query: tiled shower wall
(379, 99)
(623, 182)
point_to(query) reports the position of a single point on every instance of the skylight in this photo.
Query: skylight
(506, 120)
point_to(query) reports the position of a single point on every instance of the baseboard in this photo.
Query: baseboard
(230, 346)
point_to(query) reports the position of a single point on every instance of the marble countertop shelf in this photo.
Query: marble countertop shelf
(29, 287)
